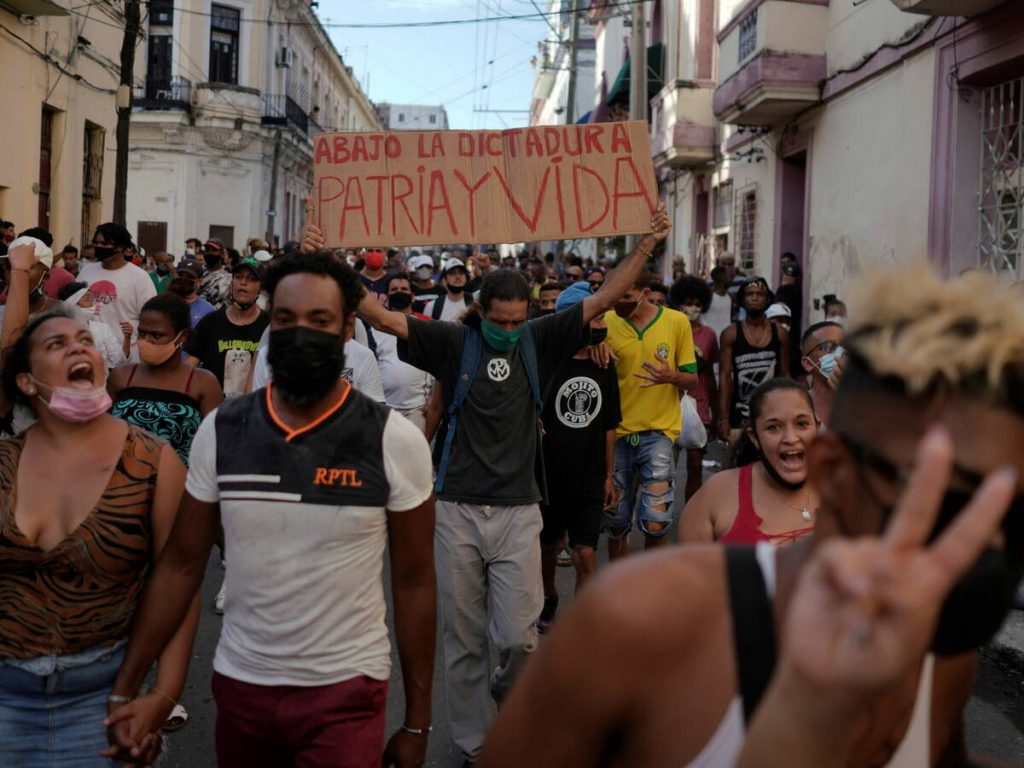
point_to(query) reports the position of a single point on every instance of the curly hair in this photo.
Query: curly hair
(322, 263)
(926, 336)
(690, 287)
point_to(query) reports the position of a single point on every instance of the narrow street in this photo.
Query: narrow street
(994, 718)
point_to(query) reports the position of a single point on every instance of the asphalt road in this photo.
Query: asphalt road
(994, 718)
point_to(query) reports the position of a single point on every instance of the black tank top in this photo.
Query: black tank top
(751, 367)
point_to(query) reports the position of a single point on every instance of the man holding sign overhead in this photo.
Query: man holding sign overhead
(493, 369)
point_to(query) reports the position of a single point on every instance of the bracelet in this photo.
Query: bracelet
(647, 254)
(416, 731)
(167, 696)
(118, 699)
(20, 269)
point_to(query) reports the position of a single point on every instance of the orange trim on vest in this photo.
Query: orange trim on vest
(290, 433)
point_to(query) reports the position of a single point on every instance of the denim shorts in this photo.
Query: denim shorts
(642, 458)
(56, 719)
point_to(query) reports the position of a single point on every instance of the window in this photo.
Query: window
(223, 233)
(45, 165)
(1000, 230)
(723, 205)
(152, 236)
(224, 24)
(401, 117)
(92, 179)
(748, 35)
(433, 119)
(161, 13)
(746, 228)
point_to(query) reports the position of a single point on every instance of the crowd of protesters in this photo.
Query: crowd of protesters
(478, 420)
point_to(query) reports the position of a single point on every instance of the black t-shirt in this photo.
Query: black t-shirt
(227, 350)
(582, 406)
(495, 447)
(378, 286)
(421, 296)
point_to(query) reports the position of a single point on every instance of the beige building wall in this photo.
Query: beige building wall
(871, 165)
(29, 83)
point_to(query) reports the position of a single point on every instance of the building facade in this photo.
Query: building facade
(846, 134)
(227, 101)
(59, 74)
(413, 117)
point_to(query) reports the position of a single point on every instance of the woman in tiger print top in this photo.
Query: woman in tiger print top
(86, 503)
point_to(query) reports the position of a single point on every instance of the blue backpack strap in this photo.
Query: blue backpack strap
(472, 350)
(528, 353)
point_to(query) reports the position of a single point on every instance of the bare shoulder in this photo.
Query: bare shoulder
(719, 490)
(728, 334)
(663, 595)
(119, 375)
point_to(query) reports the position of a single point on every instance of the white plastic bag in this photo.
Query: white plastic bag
(693, 434)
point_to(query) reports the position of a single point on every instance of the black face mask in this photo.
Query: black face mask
(597, 335)
(399, 301)
(103, 252)
(773, 473)
(754, 314)
(212, 260)
(456, 288)
(306, 363)
(543, 312)
(163, 269)
(975, 609)
(182, 286)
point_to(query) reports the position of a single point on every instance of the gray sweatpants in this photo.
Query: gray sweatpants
(488, 576)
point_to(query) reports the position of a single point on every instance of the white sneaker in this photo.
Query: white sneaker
(218, 601)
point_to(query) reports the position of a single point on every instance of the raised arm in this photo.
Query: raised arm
(621, 279)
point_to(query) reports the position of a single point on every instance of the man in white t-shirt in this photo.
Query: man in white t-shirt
(119, 287)
(719, 314)
(451, 304)
(406, 389)
(326, 479)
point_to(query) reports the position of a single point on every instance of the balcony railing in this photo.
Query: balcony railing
(279, 109)
(947, 7)
(173, 94)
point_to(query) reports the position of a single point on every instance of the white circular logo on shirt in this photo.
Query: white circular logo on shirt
(578, 402)
(498, 369)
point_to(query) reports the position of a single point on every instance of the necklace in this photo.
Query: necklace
(805, 510)
(762, 338)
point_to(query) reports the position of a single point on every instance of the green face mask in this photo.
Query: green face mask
(497, 338)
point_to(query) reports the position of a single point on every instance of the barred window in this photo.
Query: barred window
(1001, 187)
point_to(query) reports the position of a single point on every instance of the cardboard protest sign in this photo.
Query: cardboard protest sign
(523, 184)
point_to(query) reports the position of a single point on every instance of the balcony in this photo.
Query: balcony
(683, 124)
(174, 94)
(225, 104)
(947, 7)
(279, 109)
(771, 61)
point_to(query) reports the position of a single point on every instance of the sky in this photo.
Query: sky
(472, 69)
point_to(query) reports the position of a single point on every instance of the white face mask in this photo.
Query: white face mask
(424, 273)
(692, 314)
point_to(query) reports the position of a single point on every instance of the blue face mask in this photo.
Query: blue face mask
(828, 361)
(499, 339)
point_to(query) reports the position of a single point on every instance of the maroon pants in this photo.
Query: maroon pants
(287, 726)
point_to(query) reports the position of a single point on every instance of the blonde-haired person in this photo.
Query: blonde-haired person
(936, 368)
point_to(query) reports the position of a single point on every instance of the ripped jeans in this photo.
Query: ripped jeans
(647, 458)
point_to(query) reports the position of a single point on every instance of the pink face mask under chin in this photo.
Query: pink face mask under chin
(76, 405)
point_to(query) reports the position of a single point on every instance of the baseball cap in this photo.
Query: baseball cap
(421, 261)
(572, 295)
(191, 266)
(252, 265)
(778, 310)
(213, 244)
(452, 264)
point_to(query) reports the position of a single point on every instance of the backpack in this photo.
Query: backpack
(438, 308)
(472, 352)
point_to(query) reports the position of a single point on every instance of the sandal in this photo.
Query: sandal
(176, 720)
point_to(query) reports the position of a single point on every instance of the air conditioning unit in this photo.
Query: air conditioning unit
(285, 58)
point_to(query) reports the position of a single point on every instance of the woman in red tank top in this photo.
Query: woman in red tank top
(769, 499)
